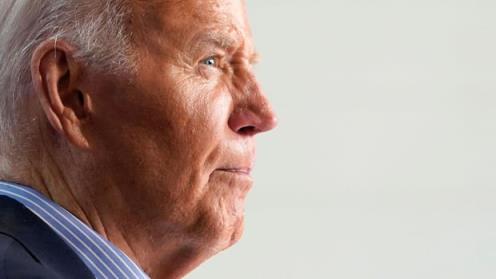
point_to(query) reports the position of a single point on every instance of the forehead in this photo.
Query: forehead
(183, 21)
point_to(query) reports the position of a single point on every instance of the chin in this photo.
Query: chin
(234, 230)
(219, 220)
(237, 233)
(220, 232)
(228, 237)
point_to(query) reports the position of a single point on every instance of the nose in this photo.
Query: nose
(252, 113)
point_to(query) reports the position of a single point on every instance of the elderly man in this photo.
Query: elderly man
(127, 135)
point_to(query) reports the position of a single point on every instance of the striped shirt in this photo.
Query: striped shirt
(103, 258)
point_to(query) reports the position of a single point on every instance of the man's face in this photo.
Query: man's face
(178, 139)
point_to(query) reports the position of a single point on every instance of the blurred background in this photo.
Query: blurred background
(384, 162)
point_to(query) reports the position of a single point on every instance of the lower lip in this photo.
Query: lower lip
(241, 176)
(236, 171)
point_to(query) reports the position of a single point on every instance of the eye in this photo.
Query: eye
(211, 61)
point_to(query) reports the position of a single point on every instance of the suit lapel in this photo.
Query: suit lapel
(42, 242)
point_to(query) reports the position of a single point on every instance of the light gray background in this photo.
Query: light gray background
(384, 162)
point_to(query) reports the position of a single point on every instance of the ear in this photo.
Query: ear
(56, 80)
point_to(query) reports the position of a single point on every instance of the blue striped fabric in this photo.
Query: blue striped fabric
(103, 258)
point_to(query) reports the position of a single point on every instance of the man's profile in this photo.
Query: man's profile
(126, 135)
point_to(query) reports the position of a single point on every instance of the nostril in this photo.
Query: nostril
(247, 130)
(249, 123)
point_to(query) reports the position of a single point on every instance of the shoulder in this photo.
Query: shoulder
(16, 261)
(30, 248)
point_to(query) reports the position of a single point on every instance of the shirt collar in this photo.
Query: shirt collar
(103, 258)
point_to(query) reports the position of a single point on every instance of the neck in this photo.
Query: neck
(165, 255)
(174, 259)
(161, 253)
(48, 182)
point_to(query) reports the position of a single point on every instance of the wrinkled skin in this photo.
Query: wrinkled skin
(189, 125)
(164, 158)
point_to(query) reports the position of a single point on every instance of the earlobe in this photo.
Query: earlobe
(56, 76)
(72, 129)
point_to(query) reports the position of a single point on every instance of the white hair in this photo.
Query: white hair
(98, 29)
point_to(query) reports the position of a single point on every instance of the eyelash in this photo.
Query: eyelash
(211, 61)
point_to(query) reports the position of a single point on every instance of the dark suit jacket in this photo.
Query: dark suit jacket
(29, 248)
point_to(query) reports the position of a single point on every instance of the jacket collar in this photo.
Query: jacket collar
(40, 240)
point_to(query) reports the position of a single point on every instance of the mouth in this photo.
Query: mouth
(240, 171)
(237, 162)
(235, 176)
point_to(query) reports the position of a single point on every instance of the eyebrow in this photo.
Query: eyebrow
(223, 40)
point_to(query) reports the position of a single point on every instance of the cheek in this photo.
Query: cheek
(192, 143)
(207, 127)
(187, 119)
